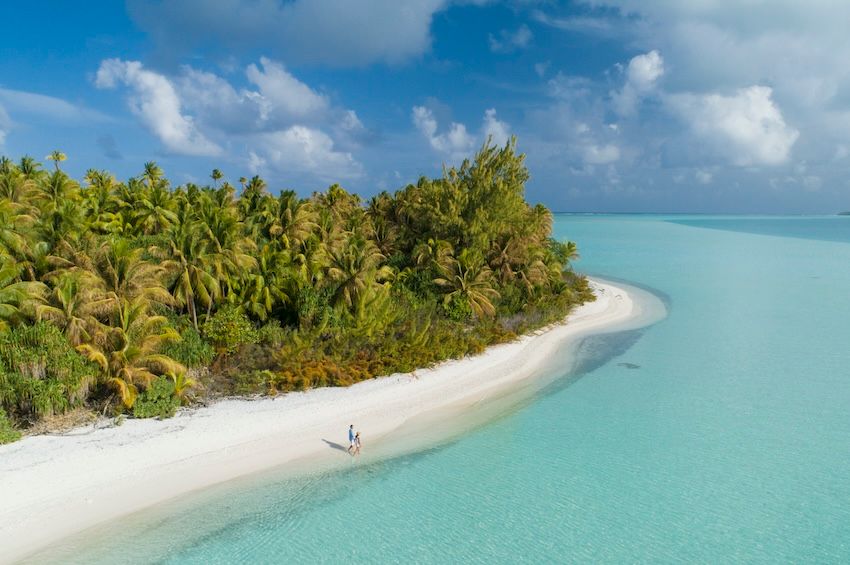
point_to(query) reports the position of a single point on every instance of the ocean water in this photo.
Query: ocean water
(719, 434)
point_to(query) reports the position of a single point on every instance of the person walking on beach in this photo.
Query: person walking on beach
(351, 439)
(357, 443)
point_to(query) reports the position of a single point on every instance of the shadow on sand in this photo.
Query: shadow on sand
(338, 446)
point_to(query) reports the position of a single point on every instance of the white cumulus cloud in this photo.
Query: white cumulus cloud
(747, 127)
(154, 100)
(642, 74)
(285, 126)
(284, 93)
(458, 143)
(498, 131)
(279, 99)
(303, 150)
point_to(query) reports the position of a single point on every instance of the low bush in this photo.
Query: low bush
(272, 334)
(41, 374)
(157, 401)
(228, 329)
(191, 351)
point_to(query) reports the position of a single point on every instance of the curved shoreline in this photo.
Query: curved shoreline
(55, 486)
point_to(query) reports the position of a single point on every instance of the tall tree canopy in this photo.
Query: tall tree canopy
(261, 291)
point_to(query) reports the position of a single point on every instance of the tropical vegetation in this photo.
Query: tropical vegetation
(138, 297)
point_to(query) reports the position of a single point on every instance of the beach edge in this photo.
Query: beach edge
(56, 486)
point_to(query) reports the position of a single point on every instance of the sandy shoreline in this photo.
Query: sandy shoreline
(54, 486)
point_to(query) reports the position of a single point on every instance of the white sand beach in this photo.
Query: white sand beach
(53, 486)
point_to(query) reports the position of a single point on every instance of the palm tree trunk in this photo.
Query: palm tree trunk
(194, 312)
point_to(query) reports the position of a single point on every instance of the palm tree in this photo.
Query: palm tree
(128, 354)
(29, 168)
(253, 192)
(193, 264)
(216, 176)
(182, 385)
(99, 194)
(468, 279)
(571, 252)
(63, 222)
(57, 157)
(432, 253)
(17, 298)
(219, 223)
(123, 274)
(152, 174)
(154, 212)
(56, 188)
(14, 228)
(71, 306)
(14, 185)
(261, 291)
(287, 221)
(354, 266)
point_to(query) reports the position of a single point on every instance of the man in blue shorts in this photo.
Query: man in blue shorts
(351, 442)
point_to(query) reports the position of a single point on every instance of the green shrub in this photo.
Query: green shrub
(8, 433)
(315, 310)
(272, 334)
(228, 329)
(191, 351)
(511, 299)
(157, 401)
(41, 374)
(457, 308)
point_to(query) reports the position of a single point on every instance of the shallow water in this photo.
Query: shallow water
(721, 433)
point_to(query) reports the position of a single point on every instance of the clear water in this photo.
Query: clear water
(720, 434)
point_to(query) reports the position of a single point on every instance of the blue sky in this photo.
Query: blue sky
(620, 105)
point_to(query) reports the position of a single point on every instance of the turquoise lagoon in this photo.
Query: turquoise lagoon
(720, 434)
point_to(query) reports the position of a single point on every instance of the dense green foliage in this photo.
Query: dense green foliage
(230, 328)
(40, 372)
(110, 292)
(8, 434)
(157, 401)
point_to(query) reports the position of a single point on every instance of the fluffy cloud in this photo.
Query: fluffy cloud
(508, 41)
(155, 101)
(278, 101)
(281, 122)
(335, 32)
(799, 48)
(284, 93)
(457, 143)
(747, 127)
(498, 131)
(303, 150)
(642, 75)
